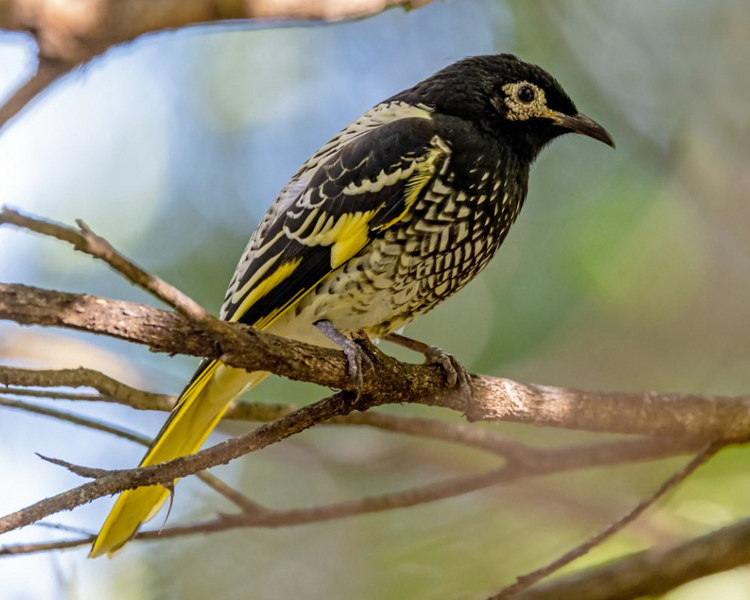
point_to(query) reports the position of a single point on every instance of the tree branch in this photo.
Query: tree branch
(110, 388)
(265, 435)
(254, 515)
(695, 418)
(37, 547)
(187, 465)
(481, 439)
(495, 398)
(75, 419)
(653, 572)
(525, 581)
(86, 241)
(69, 34)
(391, 381)
(66, 37)
(544, 462)
(212, 481)
(47, 72)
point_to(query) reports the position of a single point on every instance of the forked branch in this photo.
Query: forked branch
(678, 423)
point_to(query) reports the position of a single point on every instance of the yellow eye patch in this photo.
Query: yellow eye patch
(521, 109)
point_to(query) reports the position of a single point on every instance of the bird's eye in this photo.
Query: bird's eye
(526, 94)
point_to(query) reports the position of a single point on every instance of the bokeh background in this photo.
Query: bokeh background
(627, 270)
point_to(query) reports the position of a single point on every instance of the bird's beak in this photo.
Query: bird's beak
(580, 123)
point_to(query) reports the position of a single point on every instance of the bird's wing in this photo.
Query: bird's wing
(364, 187)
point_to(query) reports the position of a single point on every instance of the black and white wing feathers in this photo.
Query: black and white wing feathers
(328, 213)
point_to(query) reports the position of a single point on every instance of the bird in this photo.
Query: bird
(397, 212)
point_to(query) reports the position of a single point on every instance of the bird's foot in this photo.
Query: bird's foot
(358, 361)
(357, 352)
(455, 374)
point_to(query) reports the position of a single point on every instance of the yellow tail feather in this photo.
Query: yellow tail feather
(196, 413)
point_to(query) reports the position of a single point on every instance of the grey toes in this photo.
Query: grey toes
(456, 374)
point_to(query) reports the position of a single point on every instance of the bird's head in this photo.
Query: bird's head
(518, 102)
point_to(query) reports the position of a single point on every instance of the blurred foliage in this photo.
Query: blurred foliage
(627, 270)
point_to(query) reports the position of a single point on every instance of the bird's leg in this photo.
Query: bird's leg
(357, 358)
(455, 373)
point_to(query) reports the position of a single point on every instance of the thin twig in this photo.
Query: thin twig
(237, 498)
(551, 461)
(525, 581)
(114, 391)
(81, 471)
(51, 395)
(167, 472)
(458, 433)
(299, 420)
(75, 419)
(86, 241)
(653, 572)
(46, 73)
(63, 527)
(407, 342)
(36, 547)
(212, 481)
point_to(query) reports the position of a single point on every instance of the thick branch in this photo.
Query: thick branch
(80, 30)
(391, 380)
(70, 33)
(653, 572)
(706, 417)
(525, 581)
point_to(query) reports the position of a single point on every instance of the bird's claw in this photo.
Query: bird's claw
(455, 374)
(358, 361)
(357, 350)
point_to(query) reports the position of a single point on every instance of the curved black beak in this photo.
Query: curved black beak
(580, 123)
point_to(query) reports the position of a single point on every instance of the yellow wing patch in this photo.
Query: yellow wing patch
(351, 232)
(240, 293)
(269, 283)
(351, 236)
(422, 176)
(347, 234)
(424, 173)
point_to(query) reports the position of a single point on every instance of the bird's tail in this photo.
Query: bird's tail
(198, 410)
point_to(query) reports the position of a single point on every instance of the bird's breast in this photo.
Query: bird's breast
(450, 234)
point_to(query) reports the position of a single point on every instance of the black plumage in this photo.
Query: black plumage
(396, 213)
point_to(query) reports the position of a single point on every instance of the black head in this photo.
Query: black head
(517, 102)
